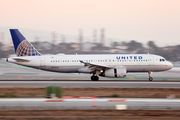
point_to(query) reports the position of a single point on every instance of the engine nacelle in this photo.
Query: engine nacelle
(117, 72)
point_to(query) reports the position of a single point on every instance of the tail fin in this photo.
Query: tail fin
(21, 45)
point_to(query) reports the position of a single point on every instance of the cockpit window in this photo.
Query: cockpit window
(161, 60)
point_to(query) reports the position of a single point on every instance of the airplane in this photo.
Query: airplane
(111, 65)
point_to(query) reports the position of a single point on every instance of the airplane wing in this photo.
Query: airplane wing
(96, 67)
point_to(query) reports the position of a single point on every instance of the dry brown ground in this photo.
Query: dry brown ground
(99, 92)
(89, 115)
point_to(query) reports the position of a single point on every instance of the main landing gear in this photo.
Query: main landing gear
(94, 77)
(150, 78)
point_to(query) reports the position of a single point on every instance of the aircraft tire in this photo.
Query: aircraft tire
(150, 79)
(94, 78)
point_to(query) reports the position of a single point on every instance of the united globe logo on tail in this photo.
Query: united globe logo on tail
(21, 45)
(26, 49)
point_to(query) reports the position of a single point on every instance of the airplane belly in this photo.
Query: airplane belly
(63, 69)
(144, 68)
(134, 68)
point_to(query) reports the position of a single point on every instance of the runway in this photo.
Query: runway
(103, 103)
(91, 84)
(9, 71)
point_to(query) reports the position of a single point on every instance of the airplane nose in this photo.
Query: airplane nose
(170, 65)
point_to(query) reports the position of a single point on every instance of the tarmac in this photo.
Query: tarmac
(93, 84)
(96, 103)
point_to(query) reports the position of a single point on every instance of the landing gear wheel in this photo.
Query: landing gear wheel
(94, 78)
(150, 79)
(150, 73)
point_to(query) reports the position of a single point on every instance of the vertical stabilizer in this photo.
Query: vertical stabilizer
(21, 45)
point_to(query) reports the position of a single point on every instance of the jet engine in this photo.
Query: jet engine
(117, 72)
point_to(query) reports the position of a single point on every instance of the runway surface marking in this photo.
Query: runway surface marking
(89, 82)
(97, 99)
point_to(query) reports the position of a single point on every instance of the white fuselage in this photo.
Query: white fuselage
(72, 64)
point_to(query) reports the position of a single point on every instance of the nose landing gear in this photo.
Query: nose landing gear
(150, 78)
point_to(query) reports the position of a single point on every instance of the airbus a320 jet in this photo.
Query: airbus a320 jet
(112, 65)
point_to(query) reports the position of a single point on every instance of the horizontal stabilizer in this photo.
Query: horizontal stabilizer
(21, 60)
